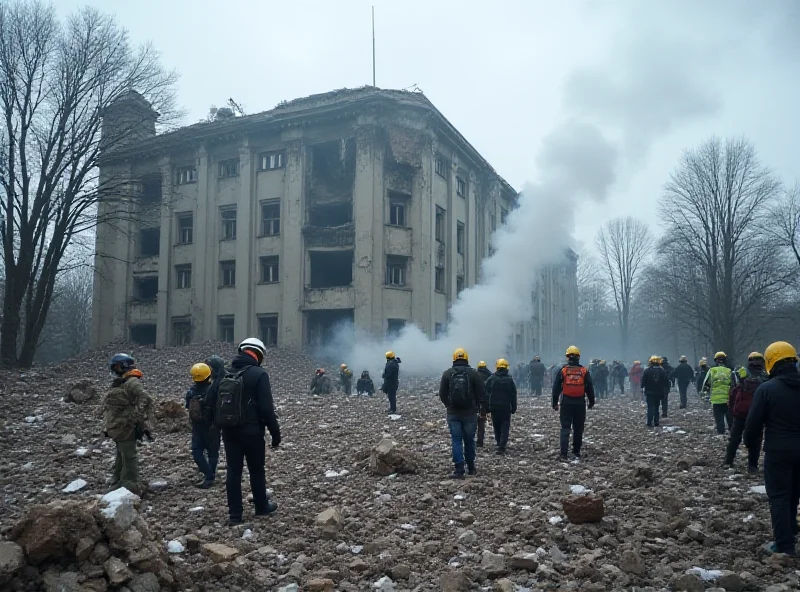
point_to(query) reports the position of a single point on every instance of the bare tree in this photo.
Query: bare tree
(713, 206)
(67, 330)
(783, 223)
(624, 244)
(56, 81)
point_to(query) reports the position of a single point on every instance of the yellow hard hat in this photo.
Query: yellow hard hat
(460, 354)
(481, 364)
(200, 372)
(390, 355)
(703, 362)
(573, 351)
(343, 366)
(637, 362)
(755, 356)
(655, 360)
(501, 364)
(780, 350)
(720, 354)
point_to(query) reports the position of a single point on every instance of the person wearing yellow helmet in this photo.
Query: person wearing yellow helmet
(485, 374)
(700, 375)
(345, 379)
(718, 383)
(205, 437)
(391, 380)
(739, 402)
(501, 401)
(461, 391)
(571, 387)
(655, 385)
(775, 412)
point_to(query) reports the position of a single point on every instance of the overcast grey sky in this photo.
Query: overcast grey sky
(653, 77)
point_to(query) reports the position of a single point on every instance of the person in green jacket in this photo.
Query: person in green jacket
(719, 381)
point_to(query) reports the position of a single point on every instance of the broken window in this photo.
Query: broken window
(332, 170)
(228, 168)
(331, 269)
(149, 242)
(394, 326)
(396, 270)
(268, 328)
(183, 276)
(440, 224)
(325, 326)
(151, 189)
(187, 175)
(503, 216)
(228, 223)
(492, 222)
(271, 161)
(330, 215)
(269, 270)
(271, 218)
(226, 328)
(459, 284)
(227, 274)
(461, 187)
(441, 168)
(185, 228)
(460, 238)
(398, 204)
(144, 334)
(145, 288)
(439, 279)
(181, 331)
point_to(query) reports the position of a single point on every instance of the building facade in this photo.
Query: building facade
(361, 207)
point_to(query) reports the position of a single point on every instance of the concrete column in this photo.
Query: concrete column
(163, 324)
(451, 223)
(204, 287)
(246, 221)
(423, 243)
(292, 261)
(471, 258)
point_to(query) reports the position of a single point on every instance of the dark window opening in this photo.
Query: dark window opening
(228, 223)
(503, 216)
(143, 334)
(185, 229)
(325, 326)
(439, 279)
(493, 221)
(396, 270)
(183, 276)
(440, 224)
(151, 189)
(149, 242)
(229, 168)
(330, 269)
(226, 328)
(461, 187)
(269, 270)
(329, 215)
(227, 274)
(394, 326)
(333, 170)
(459, 284)
(268, 328)
(145, 289)
(460, 238)
(270, 218)
(398, 206)
(439, 330)
(181, 331)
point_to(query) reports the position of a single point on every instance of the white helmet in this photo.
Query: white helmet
(254, 344)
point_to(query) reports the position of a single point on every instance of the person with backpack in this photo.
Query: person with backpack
(127, 418)
(320, 384)
(536, 371)
(205, 436)
(364, 385)
(684, 374)
(571, 387)
(739, 402)
(700, 375)
(242, 407)
(718, 382)
(654, 385)
(217, 366)
(461, 391)
(501, 402)
(391, 380)
(345, 379)
(775, 413)
(485, 375)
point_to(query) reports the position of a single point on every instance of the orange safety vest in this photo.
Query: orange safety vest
(574, 381)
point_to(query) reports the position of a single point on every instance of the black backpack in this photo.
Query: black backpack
(231, 409)
(197, 409)
(460, 390)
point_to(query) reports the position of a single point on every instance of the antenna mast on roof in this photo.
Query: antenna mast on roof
(373, 46)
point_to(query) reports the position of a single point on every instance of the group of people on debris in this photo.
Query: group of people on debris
(235, 405)
(321, 384)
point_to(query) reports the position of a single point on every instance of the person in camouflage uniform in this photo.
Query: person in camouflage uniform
(321, 384)
(127, 417)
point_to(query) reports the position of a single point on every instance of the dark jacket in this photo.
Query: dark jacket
(475, 383)
(485, 373)
(740, 398)
(536, 370)
(701, 377)
(257, 390)
(776, 411)
(601, 374)
(683, 373)
(654, 381)
(558, 382)
(670, 372)
(391, 375)
(501, 393)
(365, 385)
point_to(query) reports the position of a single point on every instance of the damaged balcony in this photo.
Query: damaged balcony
(331, 236)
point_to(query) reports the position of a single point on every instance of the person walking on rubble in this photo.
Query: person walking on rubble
(391, 380)
(571, 387)
(205, 436)
(536, 371)
(683, 374)
(485, 375)
(345, 379)
(127, 417)
(654, 384)
(501, 402)
(718, 382)
(739, 403)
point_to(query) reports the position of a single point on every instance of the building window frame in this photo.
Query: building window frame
(183, 276)
(439, 280)
(271, 225)
(227, 217)
(228, 168)
(461, 187)
(186, 175)
(503, 216)
(185, 232)
(225, 326)
(440, 224)
(396, 271)
(398, 209)
(441, 166)
(269, 269)
(461, 234)
(227, 274)
(459, 284)
(155, 252)
(268, 327)
(272, 161)
(181, 331)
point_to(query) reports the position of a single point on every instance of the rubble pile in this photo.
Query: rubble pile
(364, 499)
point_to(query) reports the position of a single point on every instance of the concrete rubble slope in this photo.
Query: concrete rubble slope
(668, 506)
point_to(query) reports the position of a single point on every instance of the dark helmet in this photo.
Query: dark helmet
(365, 374)
(216, 364)
(121, 363)
(664, 359)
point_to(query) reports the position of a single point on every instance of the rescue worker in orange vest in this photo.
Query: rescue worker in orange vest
(571, 387)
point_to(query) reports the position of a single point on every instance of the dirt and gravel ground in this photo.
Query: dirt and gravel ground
(669, 505)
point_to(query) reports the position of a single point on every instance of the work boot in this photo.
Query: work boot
(479, 444)
(458, 471)
(234, 521)
(471, 471)
(752, 470)
(206, 484)
(576, 455)
(563, 457)
(500, 451)
(271, 507)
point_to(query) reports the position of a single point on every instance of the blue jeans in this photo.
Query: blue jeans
(462, 435)
(205, 439)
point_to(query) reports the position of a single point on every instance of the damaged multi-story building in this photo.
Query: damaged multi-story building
(361, 208)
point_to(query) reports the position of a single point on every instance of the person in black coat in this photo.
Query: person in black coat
(365, 385)
(501, 401)
(654, 384)
(684, 374)
(775, 411)
(536, 371)
(245, 443)
(391, 380)
(485, 375)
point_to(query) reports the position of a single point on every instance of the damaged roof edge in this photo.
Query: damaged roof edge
(295, 112)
